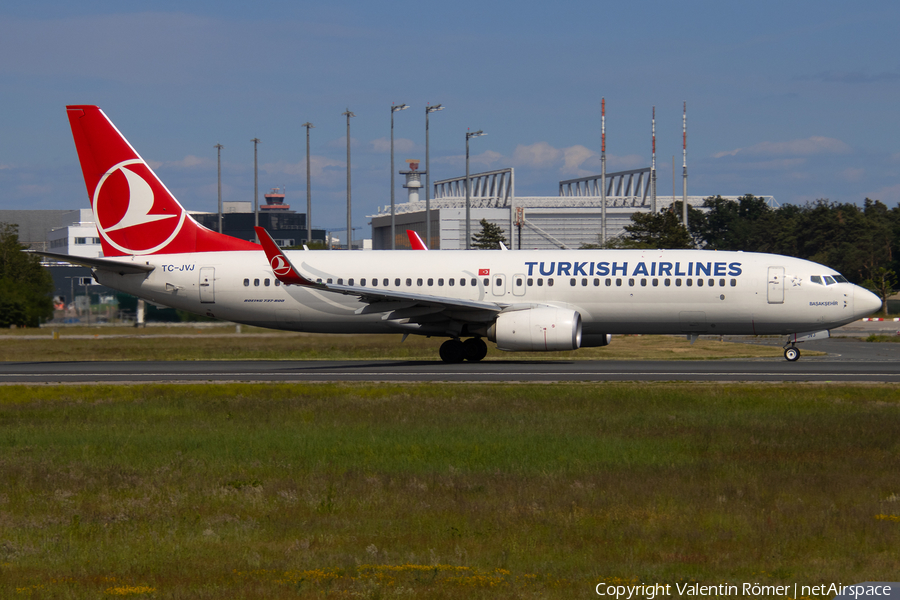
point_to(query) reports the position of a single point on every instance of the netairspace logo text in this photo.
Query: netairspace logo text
(754, 590)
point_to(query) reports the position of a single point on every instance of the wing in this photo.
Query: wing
(408, 311)
(104, 264)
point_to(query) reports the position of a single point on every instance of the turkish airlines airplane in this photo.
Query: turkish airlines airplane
(532, 300)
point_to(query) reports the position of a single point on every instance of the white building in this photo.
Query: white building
(77, 235)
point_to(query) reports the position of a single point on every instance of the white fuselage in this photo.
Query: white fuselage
(615, 291)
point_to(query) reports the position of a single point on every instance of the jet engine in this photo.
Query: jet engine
(537, 330)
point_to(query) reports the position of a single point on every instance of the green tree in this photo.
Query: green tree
(490, 236)
(883, 283)
(25, 286)
(660, 230)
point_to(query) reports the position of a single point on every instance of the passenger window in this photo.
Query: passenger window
(340, 281)
(256, 282)
(474, 282)
(656, 283)
(519, 282)
(677, 283)
(689, 282)
(451, 281)
(608, 282)
(540, 282)
(721, 283)
(550, 281)
(408, 282)
(350, 282)
(734, 283)
(584, 281)
(419, 282)
(362, 282)
(596, 283)
(374, 282)
(487, 282)
(530, 282)
(573, 282)
(643, 282)
(397, 282)
(711, 282)
(246, 283)
(430, 282)
(618, 282)
(462, 281)
(699, 283)
(631, 283)
(667, 282)
(816, 279)
(441, 281)
(277, 283)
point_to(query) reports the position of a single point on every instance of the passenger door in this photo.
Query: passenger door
(775, 293)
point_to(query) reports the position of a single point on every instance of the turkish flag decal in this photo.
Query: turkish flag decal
(484, 272)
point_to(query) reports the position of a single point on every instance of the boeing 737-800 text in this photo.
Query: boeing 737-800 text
(532, 300)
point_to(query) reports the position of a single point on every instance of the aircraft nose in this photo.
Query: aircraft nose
(865, 302)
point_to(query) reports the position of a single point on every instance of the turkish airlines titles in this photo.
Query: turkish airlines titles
(648, 269)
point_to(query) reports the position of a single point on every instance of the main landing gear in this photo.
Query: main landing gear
(456, 351)
(792, 353)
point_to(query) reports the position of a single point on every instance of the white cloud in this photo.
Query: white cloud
(802, 147)
(538, 155)
(383, 145)
(887, 194)
(575, 157)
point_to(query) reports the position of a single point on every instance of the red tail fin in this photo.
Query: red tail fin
(134, 212)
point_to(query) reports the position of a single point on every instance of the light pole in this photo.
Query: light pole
(219, 148)
(428, 111)
(469, 135)
(393, 110)
(308, 126)
(255, 184)
(348, 114)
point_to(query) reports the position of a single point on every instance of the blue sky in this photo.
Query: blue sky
(797, 100)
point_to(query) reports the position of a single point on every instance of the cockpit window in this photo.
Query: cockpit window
(829, 280)
(841, 279)
(816, 279)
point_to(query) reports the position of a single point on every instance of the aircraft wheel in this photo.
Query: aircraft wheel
(792, 354)
(452, 351)
(475, 349)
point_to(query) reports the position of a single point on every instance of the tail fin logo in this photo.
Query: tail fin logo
(279, 265)
(134, 211)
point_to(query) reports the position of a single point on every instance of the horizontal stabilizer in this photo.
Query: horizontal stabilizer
(104, 264)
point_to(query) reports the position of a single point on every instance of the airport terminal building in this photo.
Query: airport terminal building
(572, 218)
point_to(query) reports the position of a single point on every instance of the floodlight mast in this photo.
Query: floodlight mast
(255, 183)
(394, 108)
(469, 135)
(308, 126)
(428, 110)
(348, 114)
(219, 161)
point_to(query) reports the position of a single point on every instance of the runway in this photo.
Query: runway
(847, 360)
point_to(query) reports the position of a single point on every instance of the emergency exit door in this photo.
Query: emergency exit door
(775, 291)
(208, 285)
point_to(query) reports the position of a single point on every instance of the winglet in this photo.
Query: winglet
(415, 240)
(281, 265)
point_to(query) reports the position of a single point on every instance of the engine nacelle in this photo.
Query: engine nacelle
(537, 330)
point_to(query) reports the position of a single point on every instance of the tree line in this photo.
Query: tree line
(860, 242)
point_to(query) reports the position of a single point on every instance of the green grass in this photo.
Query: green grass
(224, 344)
(442, 491)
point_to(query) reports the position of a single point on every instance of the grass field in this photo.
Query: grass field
(221, 343)
(442, 491)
